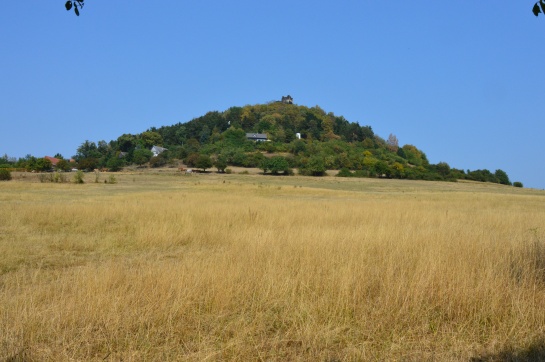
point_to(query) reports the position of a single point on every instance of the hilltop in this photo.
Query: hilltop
(277, 137)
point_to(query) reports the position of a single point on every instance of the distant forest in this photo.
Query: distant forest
(306, 139)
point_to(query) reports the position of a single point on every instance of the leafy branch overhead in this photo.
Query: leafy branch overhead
(539, 7)
(76, 4)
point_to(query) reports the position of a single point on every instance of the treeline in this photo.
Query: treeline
(304, 138)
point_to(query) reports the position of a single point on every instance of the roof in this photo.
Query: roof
(53, 160)
(256, 135)
(159, 149)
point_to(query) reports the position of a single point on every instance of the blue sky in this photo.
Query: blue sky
(461, 80)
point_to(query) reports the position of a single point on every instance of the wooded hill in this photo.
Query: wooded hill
(327, 142)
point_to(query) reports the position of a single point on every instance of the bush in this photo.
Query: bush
(157, 161)
(5, 175)
(344, 172)
(59, 177)
(517, 184)
(44, 177)
(78, 177)
(275, 164)
(314, 167)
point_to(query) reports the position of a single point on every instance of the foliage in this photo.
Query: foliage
(88, 164)
(392, 142)
(518, 184)
(221, 163)
(43, 164)
(141, 156)
(63, 165)
(443, 169)
(344, 172)
(314, 167)
(114, 164)
(502, 177)
(87, 149)
(327, 141)
(5, 175)
(79, 177)
(150, 139)
(275, 165)
(203, 162)
(158, 161)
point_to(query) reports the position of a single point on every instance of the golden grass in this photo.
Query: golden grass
(232, 267)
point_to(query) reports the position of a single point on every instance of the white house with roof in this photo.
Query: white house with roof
(156, 150)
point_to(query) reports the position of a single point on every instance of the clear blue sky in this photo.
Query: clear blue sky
(462, 80)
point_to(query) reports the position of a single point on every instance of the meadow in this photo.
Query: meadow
(206, 267)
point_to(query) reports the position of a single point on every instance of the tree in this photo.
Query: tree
(443, 169)
(74, 4)
(392, 142)
(204, 162)
(221, 163)
(141, 156)
(114, 164)
(315, 167)
(150, 139)
(89, 163)
(502, 177)
(126, 142)
(276, 165)
(42, 164)
(87, 149)
(63, 165)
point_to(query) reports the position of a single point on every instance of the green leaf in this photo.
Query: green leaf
(68, 5)
(536, 10)
(76, 10)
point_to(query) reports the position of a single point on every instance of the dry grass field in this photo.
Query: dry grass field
(207, 267)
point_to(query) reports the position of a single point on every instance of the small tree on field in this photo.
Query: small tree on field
(221, 163)
(314, 167)
(204, 162)
(276, 165)
(502, 177)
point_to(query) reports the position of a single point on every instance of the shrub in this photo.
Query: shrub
(43, 177)
(112, 179)
(275, 165)
(5, 175)
(344, 172)
(78, 177)
(228, 171)
(314, 167)
(517, 184)
(59, 177)
(157, 161)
